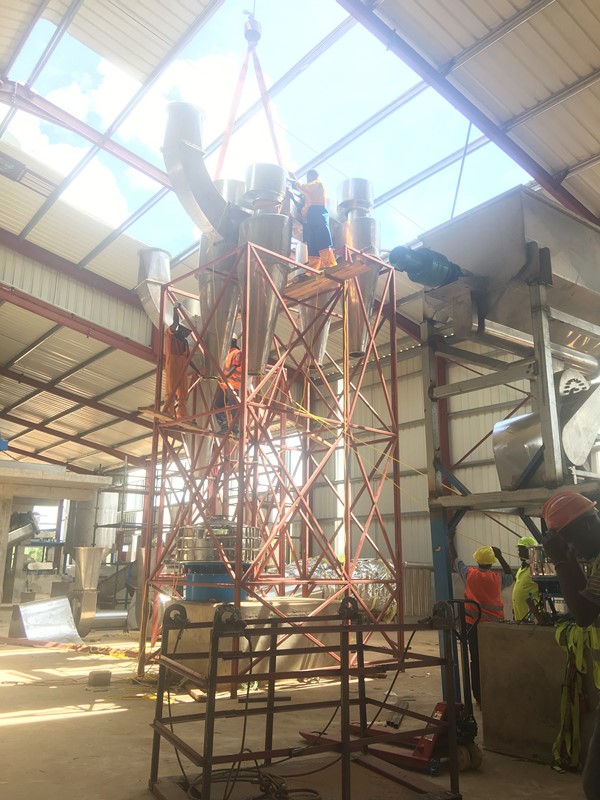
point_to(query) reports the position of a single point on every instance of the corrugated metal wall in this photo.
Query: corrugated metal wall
(59, 290)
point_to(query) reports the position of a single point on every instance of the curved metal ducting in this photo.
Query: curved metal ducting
(274, 233)
(184, 160)
(361, 232)
(154, 271)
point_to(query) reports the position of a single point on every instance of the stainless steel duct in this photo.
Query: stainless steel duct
(184, 160)
(274, 233)
(85, 591)
(153, 272)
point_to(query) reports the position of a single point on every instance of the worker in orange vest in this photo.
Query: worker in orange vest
(483, 586)
(228, 390)
(177, 355)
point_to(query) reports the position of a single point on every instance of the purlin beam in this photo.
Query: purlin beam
(47, 460)
(44, 309)
(394, 42)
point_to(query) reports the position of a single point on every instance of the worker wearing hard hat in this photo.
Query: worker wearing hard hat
(525, 587)
(483, 586)
(574, 533)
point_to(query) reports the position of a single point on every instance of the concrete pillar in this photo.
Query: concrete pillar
(5, 512)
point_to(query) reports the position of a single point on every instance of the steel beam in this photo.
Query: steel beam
(546, 394)
(87, 328)
(33, 346)
(394, 42)
(69, 269)
(526, 370)
(58, 379)
(47, 460)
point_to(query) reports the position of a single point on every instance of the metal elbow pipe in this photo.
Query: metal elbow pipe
(184, 160)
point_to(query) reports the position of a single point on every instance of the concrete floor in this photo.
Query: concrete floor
(62, 738)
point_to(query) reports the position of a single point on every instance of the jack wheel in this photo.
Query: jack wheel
(476, 755)
(463, 756)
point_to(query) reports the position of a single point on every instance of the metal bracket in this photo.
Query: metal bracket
(349, 610)
(228, 617)
(175, 617)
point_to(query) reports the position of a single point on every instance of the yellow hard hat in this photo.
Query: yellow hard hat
(484, 555)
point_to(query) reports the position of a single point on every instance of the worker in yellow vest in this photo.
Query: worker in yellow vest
(483, 586)
(574, 533)
(525, 587)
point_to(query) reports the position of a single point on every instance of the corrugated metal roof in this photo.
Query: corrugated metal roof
(110, 28)
(532, 67)
(15, 18)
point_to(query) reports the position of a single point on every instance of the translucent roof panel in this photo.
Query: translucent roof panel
(165, 225)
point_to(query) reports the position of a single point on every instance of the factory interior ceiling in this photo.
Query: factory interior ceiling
(497, 92)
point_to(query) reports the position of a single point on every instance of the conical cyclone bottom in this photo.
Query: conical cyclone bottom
(358, 333)
(315, 326)
(219, 297)
(273, 232)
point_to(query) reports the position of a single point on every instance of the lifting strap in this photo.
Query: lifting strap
(264, 95)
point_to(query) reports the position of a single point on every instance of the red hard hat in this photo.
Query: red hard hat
(564, 507)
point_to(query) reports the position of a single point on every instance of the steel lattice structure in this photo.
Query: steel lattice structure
(303, 428)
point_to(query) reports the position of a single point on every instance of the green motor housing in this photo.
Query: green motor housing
(424, 266)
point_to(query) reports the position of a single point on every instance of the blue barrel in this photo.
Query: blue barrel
(208, 573)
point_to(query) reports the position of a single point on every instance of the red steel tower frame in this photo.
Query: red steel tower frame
(296, 421)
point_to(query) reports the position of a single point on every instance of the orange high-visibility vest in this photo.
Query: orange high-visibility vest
(484, 587)
(232, 369)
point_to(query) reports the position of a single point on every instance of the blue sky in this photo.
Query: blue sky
(353, 79)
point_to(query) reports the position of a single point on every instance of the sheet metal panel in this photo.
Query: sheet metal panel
(109, 28)
(119, 262)
(59, 290)
(18, 204)
(65, 230)
(60, 353)
(18, 328)
(14, 18)
(107, 373)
